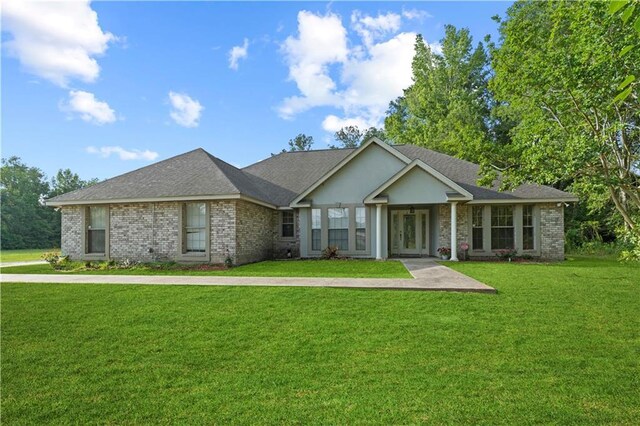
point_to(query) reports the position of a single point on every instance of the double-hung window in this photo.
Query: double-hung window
(339, 228)
(527, 227)
(361, 228)
(195, 227)
(316, 227)
(502, 227)
(96, 229)
(287, 224)
(476, 228)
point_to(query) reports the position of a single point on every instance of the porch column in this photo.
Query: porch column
(454, 231)
(379, 231)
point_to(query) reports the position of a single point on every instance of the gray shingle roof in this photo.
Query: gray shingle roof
(195, 173)
(277, 180)
(466, 174)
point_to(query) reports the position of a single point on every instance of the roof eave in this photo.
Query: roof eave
(53, 203)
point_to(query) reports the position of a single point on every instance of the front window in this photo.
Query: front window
(527, 227)
(361, 228)
(501, 227)
(195, 228)
(287, 224)
(315, 229)
(476, 227)
(97, 229)
(339, 228)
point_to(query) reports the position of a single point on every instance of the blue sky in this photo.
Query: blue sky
(107, 87)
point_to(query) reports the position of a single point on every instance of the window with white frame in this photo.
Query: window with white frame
(316, 227)
(476, 228)
(96, 229)
(195, 228)
(502, 227)
(527, 228)
(288, 230)
(338, 227)
(361, 228)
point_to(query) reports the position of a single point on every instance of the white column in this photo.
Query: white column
(379, 231)
(454, 231)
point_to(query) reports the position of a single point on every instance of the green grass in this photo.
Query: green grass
(276, 268)
(22, 255)
(558, 344)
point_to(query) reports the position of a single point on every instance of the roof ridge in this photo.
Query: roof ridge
(295, 152)
(249, 176)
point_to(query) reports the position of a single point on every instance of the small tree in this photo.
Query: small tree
(301, 142)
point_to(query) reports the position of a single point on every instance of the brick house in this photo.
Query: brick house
(376, 201)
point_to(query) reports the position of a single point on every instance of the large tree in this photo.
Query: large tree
(447, 107)
(557, 72)
(25, 220)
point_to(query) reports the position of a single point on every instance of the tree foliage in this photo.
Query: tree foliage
(353, 137)
(301, 142)
(557, 72)
(26, 221)
(447, 108)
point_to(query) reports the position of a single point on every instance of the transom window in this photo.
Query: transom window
(315, 229)
(287, 224)
(527, 228)
(502, 227)
(339, 227)
(476, 228)
(96, 229)
(195, 227)
(361, 228)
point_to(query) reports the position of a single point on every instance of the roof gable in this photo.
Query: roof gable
(448, 188)
(342, 164)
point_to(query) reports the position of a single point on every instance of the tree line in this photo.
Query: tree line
(26, 222)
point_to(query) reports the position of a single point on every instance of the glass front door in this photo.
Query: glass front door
(409, 232)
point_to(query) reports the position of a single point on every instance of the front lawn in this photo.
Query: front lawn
(22, 255)
(558, 344)
(350, 268)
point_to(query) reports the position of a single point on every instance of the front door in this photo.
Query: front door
(409, 232)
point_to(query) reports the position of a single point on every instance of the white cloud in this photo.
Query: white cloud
(186, 111)
(89, 108)
(371, 29)
(57, 41)
(366, 77)
(333, 123)
(416, 14)
(322, 41)
(238, 52)
(123, 154)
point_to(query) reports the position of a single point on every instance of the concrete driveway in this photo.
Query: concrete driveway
(427, 276)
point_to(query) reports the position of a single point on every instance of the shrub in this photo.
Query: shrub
(507, 254)
(56, 260)
(631, 239)
(228, 261)
(331, 252)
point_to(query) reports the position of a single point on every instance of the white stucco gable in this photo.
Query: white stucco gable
(418, 183)
(365, 169)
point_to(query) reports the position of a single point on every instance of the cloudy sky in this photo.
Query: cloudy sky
(103, 88)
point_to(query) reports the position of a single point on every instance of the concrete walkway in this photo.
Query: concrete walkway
(27, 262)
(428, 275)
